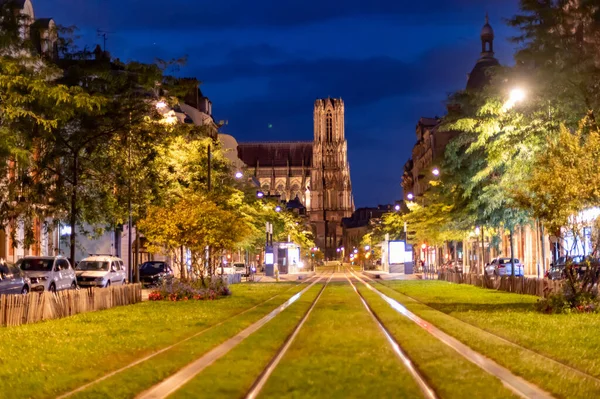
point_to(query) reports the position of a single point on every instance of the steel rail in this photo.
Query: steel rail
(559, 363)
(262, 379)
(516, 384)
(187, 373)
(419, 378)
(165, 349)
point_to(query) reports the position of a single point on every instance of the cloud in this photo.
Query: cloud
(185, 15)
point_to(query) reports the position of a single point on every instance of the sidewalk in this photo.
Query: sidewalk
(378, 274)
(283, 277)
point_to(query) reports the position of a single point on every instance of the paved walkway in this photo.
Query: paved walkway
(283, 277)
(390, 276)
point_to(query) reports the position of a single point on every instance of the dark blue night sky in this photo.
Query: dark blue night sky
(264, 62)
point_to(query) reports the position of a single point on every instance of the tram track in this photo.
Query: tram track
(262, 379)
(516, 384)
(416, 374)
(176, 344)
(506, 341)
(177, 380)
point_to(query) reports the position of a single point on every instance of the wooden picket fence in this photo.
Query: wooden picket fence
(521, 285)
(38, 306)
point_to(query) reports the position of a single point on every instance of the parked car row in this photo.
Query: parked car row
(55, 273)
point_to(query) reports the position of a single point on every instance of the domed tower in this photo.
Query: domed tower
(479, 76)
(331, 189)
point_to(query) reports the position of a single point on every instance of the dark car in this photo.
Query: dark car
(154, 273)
(13, 280)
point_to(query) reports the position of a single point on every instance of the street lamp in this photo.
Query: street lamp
(436, 172)
(410, 196)
(477, 230)
(397, 207)
(239, 175)
(367, 247)
(260, 194)
(277, 208)
(516, 95)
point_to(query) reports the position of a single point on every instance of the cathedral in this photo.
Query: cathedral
(314, 173)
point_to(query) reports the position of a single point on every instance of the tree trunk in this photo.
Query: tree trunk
(512, 253)
(73, 216)
(543, 247)
(137, 256)
(482, 250)
(181, 264)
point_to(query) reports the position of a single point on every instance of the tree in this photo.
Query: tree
(193, 222)
(33, 103)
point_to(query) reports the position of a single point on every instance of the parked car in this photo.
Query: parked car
(557, 269)
(100, 271)
(500, 267)
(240, 267)
(153, 273)
(49, 273)
(13, 280)
(452, 267)
(227, 268)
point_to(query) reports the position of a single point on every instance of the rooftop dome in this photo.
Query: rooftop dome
(479, 76)
(487, 32)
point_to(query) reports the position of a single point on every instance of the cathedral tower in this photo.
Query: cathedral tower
(331, 189)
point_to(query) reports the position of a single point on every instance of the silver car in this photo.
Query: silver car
(501, 267)
(101, 271)
(48, 273)
(13, 280)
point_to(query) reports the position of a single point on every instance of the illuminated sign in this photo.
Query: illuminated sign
(268, 259)
(396, 252)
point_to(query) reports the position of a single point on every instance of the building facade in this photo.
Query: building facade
(316, 173)
(428, 151)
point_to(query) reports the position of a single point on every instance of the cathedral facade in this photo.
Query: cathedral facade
(314, 173)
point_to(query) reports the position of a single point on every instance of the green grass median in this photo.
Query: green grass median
(511, 316)
(233, 375)
(45, 359)
(448, 373)
(340, 353)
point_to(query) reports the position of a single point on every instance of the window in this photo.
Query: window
(90, 265)
(329, 127)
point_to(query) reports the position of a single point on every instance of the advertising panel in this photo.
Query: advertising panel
(396, 252)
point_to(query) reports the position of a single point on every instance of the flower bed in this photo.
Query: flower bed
(178, 290)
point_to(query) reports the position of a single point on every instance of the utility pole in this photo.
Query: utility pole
(129, 222)
(324, 198)
(208, 260)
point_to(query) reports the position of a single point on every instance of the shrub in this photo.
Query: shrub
(178, 290)
(563, 303)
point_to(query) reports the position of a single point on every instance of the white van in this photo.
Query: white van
(100, 271)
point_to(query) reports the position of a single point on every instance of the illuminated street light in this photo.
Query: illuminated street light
(477, 230)
(277, 208)
(436, 172)
(260, 194)
(410, 196)
(516, 95)
(367, 247)
(355, 250)
(239, 175)
(423, 246)
(397, 207)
